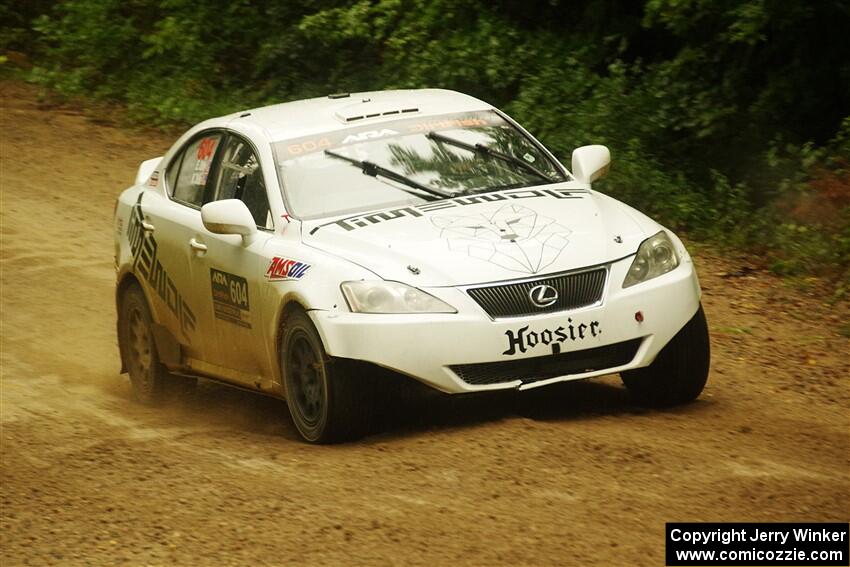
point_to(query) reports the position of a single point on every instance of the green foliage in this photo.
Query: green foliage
(728, 119)
(16, 28)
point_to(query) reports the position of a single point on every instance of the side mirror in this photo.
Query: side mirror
(590, 163)
(229, 216)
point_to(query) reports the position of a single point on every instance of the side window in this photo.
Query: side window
(240, 177)
(188, 182)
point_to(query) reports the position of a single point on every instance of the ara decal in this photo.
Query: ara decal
(230, 298)
(286, 269)
(369, 135)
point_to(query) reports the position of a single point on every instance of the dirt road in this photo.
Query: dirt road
(569, 475)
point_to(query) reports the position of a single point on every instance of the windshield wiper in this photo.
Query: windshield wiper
(373, 169)
(487, 151)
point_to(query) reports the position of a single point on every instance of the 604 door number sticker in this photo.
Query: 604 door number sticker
(230, 298)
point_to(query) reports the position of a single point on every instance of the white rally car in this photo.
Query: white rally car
(289, 249)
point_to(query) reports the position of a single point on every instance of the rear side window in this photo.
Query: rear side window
(187, 176)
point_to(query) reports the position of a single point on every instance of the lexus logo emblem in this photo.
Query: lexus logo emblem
(543, 295)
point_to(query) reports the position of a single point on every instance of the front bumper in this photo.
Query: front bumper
(427, 346)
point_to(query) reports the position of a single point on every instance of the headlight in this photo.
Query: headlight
(391, 297)
(655, 256)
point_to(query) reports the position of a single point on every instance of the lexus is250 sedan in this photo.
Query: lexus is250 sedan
(292, 248)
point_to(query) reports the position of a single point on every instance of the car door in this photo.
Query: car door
(169, 225)
(227, 273)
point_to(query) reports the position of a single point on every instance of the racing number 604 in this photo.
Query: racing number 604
(308, 146)
(239, 293)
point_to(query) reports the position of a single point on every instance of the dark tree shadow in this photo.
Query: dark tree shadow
(404, 407)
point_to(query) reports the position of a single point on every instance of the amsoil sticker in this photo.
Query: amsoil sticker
(523, 340)
(286, 269)
(230, 298)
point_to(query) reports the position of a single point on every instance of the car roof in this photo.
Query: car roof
(336, 112)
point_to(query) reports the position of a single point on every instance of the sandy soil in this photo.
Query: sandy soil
(572, 474)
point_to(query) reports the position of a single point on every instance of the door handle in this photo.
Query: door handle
(197, 246)
(148, 227)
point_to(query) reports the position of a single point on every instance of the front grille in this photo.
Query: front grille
(576, 289)
(550, 366)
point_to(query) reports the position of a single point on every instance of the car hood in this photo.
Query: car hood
(504, 235)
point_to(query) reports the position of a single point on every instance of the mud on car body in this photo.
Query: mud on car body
(292, 248)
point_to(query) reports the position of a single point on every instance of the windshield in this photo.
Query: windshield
(406, 162)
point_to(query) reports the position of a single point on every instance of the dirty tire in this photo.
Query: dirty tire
(328, 401)
(149, 378)
(680, 370)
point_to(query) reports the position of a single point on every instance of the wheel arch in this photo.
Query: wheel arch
(125, 282)
(289, 303)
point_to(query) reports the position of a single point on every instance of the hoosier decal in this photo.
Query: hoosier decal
(230, 298)
(286, 269)
(147, 266)
(522, 339)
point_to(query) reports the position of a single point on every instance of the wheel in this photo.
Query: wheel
(150, 380)
(680, 370)
(328, 402)
(135, 339)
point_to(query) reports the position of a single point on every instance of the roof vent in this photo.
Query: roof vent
(366, 110)
(335, 96)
